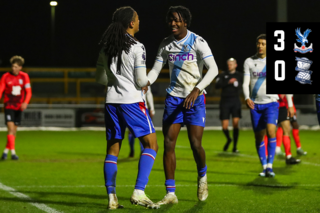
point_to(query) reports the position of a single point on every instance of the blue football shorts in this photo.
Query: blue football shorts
(134, 116)
(174, 112)
(264, 114)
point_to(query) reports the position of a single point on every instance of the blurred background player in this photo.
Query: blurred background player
(263, 107)
(285, 111)
(230, 82)
(17, 95)
(150, 108)
(122, 68)
(186, 53)
(318, 106)
(295, 132)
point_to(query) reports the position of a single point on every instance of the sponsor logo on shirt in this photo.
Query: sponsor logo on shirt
(181, 57)
(259, 74)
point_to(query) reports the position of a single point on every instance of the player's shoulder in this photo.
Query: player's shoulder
(138, 46)
(251, 59)
(167, 41)
(23, 74)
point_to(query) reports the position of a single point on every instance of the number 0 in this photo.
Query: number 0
(276, 71)
(280, 40)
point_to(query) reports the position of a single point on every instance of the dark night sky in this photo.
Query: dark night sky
(230, 27)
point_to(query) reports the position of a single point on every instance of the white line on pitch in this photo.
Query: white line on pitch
(178, 185)
(15, 193)
(249, 156)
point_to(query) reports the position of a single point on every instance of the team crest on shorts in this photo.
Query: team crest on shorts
(304, 75)
(302, 39)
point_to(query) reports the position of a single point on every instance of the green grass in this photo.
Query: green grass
(64, 170)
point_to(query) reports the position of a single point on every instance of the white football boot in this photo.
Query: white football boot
(140, 198)
(202, 188)
(170, 198)
(113, 202)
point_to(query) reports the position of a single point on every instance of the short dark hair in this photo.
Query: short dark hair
(261, 36)
(17, 60)
(183, 13)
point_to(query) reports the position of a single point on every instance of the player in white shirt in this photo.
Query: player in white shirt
(122, 68)
(186, 53)
(263, 107)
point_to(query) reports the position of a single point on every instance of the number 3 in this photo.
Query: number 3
(280, 40)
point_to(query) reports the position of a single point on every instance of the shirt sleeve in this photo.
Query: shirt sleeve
(140, 68)
(162, 54)
(27, 82)
(202, 48)
(246, 80)
(2, 85)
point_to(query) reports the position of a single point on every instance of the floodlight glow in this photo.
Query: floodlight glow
(53, 3)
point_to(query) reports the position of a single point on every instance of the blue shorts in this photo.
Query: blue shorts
(174, 112)
(264, 114)
(318, 110)
(134, 116)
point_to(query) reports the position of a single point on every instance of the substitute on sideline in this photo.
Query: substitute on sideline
(17, 94)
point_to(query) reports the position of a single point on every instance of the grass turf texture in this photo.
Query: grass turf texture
(64, 170)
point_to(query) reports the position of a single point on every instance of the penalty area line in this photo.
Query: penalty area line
(40, 206)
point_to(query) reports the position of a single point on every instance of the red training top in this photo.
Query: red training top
(15, 87)
(284, 103)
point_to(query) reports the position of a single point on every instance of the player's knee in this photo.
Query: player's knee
(196, 145)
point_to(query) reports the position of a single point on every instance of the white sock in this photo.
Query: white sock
(138, 192)
(13, 152)
(6, 151)
(269, 165)
(288, 156)
(278, 149)
(172, 193)
(264, 166)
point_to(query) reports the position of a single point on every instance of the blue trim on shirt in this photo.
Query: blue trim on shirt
(207, 56)
(177, 66)
(258, 84)
(159, 60)
(139, 66)
(188, 33)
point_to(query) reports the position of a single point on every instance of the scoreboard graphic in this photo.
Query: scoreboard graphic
(293, 58)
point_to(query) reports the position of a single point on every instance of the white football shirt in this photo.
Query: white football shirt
(122, 87)
(185, 58)
(255, 67)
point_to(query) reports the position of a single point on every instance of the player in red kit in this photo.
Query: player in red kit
(17, 94)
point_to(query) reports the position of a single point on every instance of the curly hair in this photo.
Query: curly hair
(183, 12)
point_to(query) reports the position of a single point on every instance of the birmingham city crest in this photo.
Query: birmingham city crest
(303, 40)
(303, 66)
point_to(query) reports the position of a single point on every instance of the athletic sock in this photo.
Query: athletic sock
(235, 138)
(278, 149)
(10, 142)
(131, 141)
(170, 185)
(226, 133)
(296, 137)
(272, 143)
(279, 136)
(13, 152)
(266, 144)
(287, 145)
(110, 173)
(6, 151)
(145, 165)
(260, 146)
(202, 171)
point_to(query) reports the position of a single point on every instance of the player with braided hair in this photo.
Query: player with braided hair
(122, 68)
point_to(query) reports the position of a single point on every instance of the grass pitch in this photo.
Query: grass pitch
(64, 171)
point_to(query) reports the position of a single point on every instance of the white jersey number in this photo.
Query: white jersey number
(276, 70)
(280, 40)
(16, 90)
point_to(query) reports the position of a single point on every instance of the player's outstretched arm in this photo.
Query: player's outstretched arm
(155, 71)
(208, 78)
